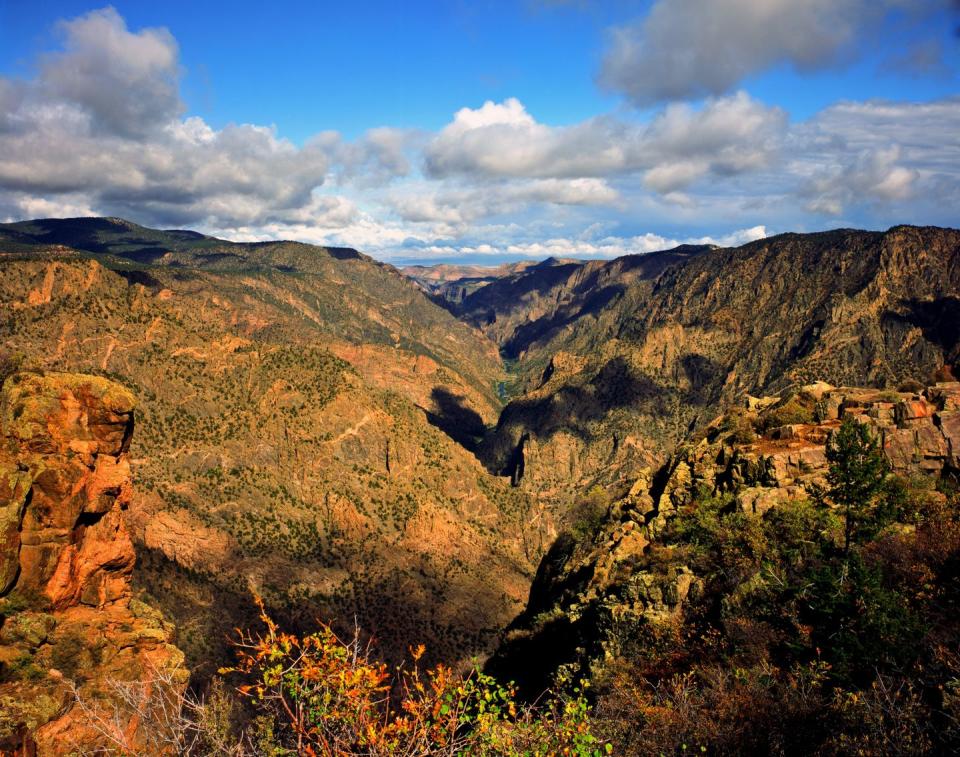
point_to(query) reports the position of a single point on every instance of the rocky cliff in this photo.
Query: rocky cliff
(619, 568)
(70, 627)
(626, 380)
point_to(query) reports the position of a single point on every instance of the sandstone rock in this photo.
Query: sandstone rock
(181, 537)
(912, 409)
(900, 447)
(757, 500)
(14, 486)
(757, 404)
(785, 432)
(638, 498)
(64, 547)
(817, 389)
(950, 427)
(790, 461)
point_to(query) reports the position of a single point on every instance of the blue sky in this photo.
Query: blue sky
(454, 130)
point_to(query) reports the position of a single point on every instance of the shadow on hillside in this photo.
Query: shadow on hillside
(544, 328)
(530, 659)
(394, 610)
(940, 322)
(102, 235)
(580, 410)
(399, 609)
(592, 292)
(456, 419)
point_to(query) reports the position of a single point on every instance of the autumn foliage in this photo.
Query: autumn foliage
(318, 695)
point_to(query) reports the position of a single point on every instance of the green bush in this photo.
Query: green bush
(791, 410)
(588, 512)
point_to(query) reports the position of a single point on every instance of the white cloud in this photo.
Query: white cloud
(692, 48)
(878, 152)
(126, 83)
(580, 247)
(17, 207)
(873, 174)
(735, 238)
(676, 148)
(461, 205)
(103, 119)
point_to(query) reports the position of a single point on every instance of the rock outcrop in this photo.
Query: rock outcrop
(70, 628)
(756, 457)
(919, 432)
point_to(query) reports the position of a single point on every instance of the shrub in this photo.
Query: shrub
(317, 695)
(588, 513)
(910, 385)
(10, 363)
(740, 425)
(792, 410)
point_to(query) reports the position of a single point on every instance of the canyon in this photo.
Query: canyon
(485, 462)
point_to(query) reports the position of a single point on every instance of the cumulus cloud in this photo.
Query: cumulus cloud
(873, 174)
(582, 246)
(459, 205)
(103, 118)
(379, 156)
(877, 152)
(127, 83)
(678, 147)
(692, 48)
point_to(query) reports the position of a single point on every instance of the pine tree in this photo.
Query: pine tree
(858, 470)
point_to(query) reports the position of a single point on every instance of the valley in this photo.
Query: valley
(496, 463)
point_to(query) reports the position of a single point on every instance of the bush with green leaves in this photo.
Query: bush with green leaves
(318, 695)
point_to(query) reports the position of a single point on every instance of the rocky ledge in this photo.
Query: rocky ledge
(72, 636)
(774, 449)
(768, 452)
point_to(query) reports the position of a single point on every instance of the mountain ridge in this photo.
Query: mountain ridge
(315, 428)
(295, 434)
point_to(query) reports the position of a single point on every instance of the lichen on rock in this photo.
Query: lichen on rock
(69, 625)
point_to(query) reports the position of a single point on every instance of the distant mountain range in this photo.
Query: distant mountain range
(454, 283)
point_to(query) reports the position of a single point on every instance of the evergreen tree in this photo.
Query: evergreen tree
(857, 474)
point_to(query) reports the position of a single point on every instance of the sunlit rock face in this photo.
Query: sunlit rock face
(69, 624)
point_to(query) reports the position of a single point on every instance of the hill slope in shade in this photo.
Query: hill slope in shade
(451, 284)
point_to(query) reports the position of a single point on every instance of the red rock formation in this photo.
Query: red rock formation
(69, 626)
